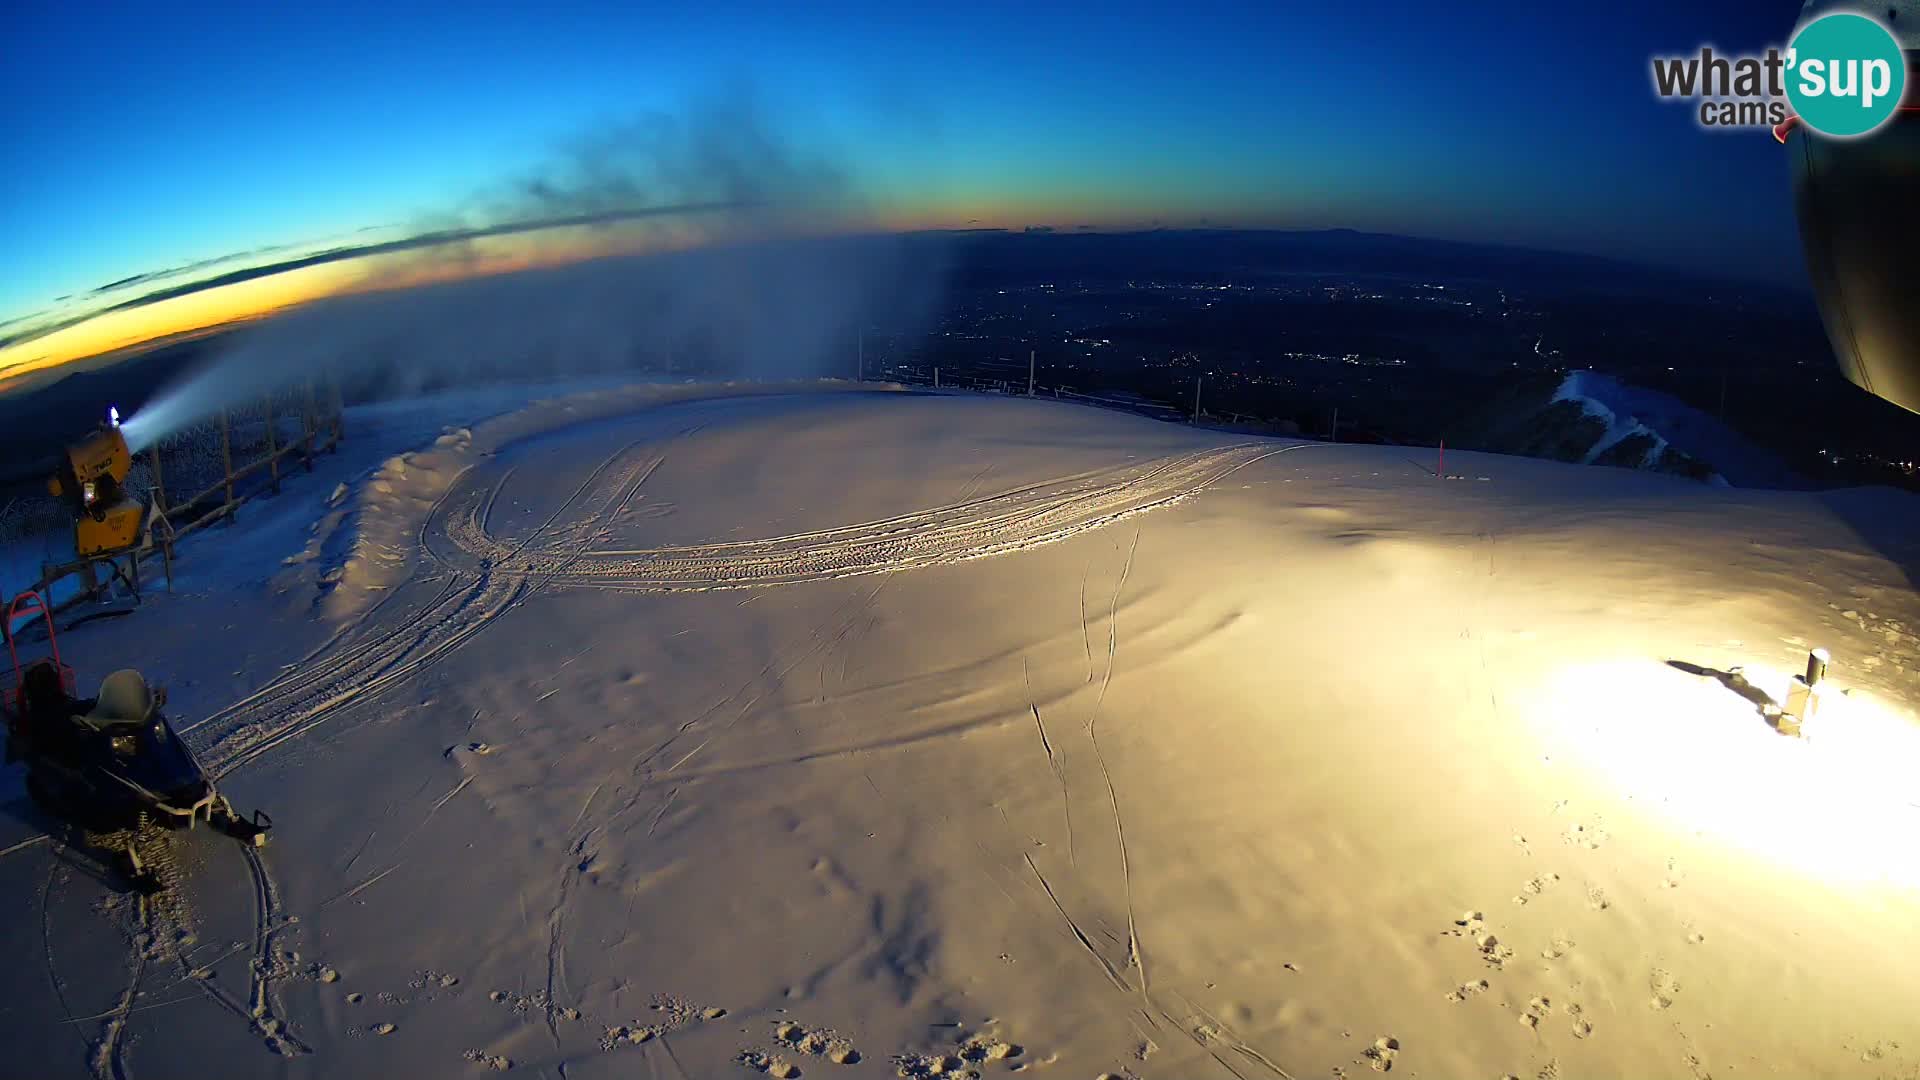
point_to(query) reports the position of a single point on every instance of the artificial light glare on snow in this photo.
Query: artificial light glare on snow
(1842, 802)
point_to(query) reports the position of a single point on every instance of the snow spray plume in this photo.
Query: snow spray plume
(715, 246)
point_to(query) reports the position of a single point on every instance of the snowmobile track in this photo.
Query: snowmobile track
(488, 576)
(363, 666)
(364, 663)
(975, 528)
(302, 702)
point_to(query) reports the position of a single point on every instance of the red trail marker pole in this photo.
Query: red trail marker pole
(1440, 470)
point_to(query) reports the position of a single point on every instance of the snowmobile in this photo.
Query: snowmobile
(113, 762)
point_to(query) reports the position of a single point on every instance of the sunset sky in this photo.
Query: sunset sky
(146, 139)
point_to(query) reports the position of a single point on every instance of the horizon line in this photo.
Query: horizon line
(20, 375)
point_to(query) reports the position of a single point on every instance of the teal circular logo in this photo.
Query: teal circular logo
(1845, 74)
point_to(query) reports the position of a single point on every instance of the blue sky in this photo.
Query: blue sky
(141, 137)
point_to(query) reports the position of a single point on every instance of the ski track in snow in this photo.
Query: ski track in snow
(1053, 760)
(154, 934)
(369, 660)
(1212, 1037)
(974, 528)
(46, 942)
(1134, 954)
(485, 577)
(108, 1059)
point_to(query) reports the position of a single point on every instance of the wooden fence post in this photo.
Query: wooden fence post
(226, 460)
(273, 447)
(159, 480)
(306, 422)
(159, 516)
(166, 549)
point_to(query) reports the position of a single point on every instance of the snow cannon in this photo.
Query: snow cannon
(91, 479)
(1860, 227)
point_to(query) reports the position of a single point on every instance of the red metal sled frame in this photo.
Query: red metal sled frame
(29, 603)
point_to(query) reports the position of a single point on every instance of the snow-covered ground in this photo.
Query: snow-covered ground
(883, 733)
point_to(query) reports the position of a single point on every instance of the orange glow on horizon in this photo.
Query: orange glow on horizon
(101, 336)
(115, 331)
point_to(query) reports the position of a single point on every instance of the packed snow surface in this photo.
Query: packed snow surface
(703, 732)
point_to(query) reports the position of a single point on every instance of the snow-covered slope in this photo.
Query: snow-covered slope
(1644, 426)
(886, 733)
(1595, 419)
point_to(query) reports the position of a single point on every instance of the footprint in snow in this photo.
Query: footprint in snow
(1582, 1027)
(492, 1061)
(621, 1035)
(772, 1065)
(1586, 836)
(1534, 887)
(970, 1050)
(817, 1041)
(1664, 988)
(1382, 1053)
